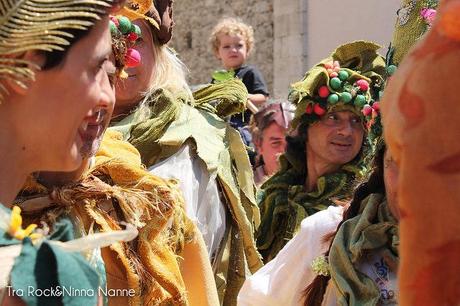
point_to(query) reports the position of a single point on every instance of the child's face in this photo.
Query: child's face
(232, 51)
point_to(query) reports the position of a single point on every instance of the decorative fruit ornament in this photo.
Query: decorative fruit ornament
(362, 84)
(133, 58)
(329, 65)
(360, 100)
(132, 36)
(323, 92)
(367, 110)
(124, 24)
(391, 69)
(317, 109)
(113, 28)
(335, 83)
(124, 37)
(343, 75)
(376, 106)
(346, 97)
(333, 74)
(309, 109)
(137, 30)
(333, 98)
(114, 20)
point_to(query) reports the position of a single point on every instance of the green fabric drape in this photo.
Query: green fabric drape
(374, 229)
(174, 121)
(46, 266)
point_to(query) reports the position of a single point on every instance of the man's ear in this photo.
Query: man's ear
(35, 61)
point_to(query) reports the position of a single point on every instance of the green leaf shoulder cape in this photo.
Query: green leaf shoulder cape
(173, 120)
(46, 267)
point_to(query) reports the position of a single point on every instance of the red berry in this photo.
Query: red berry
(367, 110)
(132, 58)
(374, 113)
(319, 110)
(132, 36)
(323, 92)
(363, 85)
(309, 109)
(115, 20)
(376, 106)
(333, 74)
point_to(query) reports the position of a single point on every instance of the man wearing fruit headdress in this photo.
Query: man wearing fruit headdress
(167, 263)
(420, 112)
(325, 152)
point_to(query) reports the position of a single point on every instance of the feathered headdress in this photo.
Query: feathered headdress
(27, 25)
(157, 12)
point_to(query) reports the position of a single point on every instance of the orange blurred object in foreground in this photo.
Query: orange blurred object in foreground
(421, 116)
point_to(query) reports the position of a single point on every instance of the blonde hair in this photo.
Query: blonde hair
(169, 73)
(232, 26)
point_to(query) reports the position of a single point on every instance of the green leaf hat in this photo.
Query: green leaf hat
(351, 79)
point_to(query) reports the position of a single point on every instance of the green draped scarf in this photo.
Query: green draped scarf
(46, 266)
(374, 229)
(285, 202)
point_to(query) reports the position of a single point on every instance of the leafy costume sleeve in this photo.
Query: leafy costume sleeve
(47, 266)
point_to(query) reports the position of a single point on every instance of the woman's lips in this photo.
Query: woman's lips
(92, 132)
(93, 126)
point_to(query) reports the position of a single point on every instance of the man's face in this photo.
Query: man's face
(232, 51)
(273, 144)
(68, 100)
(336, 139)
(132, 89)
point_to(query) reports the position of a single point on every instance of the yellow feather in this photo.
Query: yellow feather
(39, 25)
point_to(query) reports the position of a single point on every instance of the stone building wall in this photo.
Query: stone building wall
(291, 35)
(195, 20)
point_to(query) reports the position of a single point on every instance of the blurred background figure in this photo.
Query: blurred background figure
(268, 129)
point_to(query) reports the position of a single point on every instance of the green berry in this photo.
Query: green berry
(333, 98)
(346, 97)
(137, 30)
(360, 100)
(343, 75)
(125, 25)
(335, 83)
(391, 69)
(113, 28)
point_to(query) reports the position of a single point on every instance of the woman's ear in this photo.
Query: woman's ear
(35, 60)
